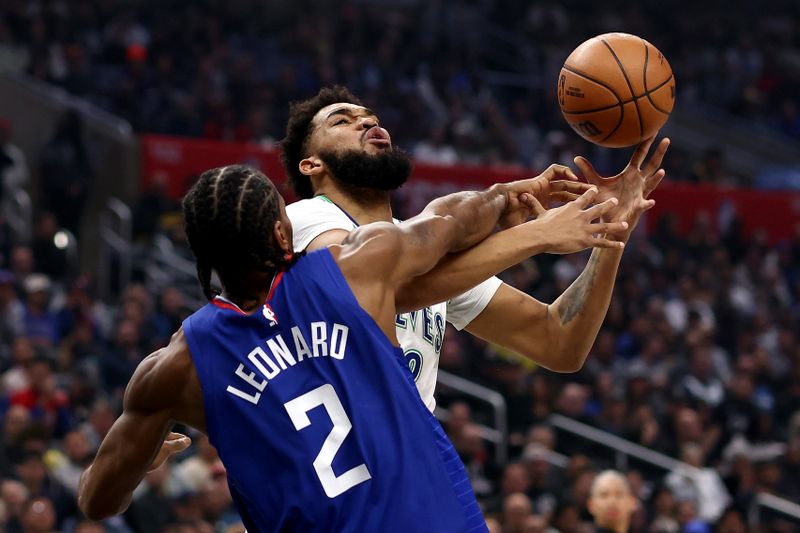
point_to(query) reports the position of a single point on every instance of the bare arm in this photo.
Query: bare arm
(566, 229)
(559, 336)
(133, 445)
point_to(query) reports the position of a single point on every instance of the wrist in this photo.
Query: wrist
(499, 192)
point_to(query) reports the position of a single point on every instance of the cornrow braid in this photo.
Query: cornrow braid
(294, 145)
(229, 215)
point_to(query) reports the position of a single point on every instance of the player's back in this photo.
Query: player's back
(316, 416)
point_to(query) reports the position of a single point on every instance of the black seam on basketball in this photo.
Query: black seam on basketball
(630, 87)
(598, 82)
(612, 91)
(619, 123)
(622, 102)
(652, 103)
(644, 79)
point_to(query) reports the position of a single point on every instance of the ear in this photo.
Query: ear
(590, 506)
(311, 166)
(283, 237)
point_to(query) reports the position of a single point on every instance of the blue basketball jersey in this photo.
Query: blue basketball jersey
(316, 417)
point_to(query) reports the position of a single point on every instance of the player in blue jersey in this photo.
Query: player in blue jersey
(294, 370)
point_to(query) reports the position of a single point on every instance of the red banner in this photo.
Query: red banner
(179, 161)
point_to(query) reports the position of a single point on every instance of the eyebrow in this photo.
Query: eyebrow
(349, 112)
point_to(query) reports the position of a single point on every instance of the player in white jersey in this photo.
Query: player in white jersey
(343, 165)
(420, 332)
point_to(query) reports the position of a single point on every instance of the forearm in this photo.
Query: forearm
(98, 502)
(473, 214)
(459, 272)
(580, 311)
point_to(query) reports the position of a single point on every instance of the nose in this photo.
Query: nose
(367, 122)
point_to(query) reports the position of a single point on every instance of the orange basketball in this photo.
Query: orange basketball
(616, 90)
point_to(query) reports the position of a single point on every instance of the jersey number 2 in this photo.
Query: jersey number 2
(298, 411)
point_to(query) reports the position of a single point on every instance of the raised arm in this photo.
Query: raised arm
(560, 335)
(566, 229)
(136, 442)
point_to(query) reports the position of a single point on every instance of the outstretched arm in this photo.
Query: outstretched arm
(566, 229)
(560, 335)
(136, 442)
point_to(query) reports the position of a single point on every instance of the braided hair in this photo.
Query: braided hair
(294, 146)
(230, 214)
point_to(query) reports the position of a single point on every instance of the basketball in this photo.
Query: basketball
(616, 90)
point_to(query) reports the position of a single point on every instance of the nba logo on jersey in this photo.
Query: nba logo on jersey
(269, 314)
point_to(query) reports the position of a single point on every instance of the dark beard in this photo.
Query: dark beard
(385, 171)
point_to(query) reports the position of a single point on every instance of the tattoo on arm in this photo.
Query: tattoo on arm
(575, 295)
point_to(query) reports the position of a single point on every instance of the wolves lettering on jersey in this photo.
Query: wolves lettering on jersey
(428, 324)
(421, 334)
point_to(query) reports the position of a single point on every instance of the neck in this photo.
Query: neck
(250, 291)
(364, 205)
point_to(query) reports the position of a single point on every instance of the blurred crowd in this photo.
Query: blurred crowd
(699, 358)
(471, 81)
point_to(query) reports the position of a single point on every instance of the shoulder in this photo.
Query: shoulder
(369, 248)
(161, 377)
(314, 208)
(310, 218)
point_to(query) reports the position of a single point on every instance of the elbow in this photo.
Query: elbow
(569, 363)
(90, 508)
(95, 509)
(92, 503)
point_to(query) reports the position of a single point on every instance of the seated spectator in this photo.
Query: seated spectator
(699, 484)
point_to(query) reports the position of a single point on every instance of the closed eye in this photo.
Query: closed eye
(340, 121)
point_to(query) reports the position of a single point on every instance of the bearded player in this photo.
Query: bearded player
(343, 165)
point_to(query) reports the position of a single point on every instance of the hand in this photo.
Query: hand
(174, 443)
(556, 184)
(569, 228)
(632, 186)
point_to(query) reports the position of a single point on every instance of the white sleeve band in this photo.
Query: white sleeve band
(463, 309)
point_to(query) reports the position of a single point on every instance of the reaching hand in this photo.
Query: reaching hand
(556, 184)
(174, 443)
(632, 186)
(569, 228)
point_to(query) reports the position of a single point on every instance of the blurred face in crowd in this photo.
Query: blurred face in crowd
(16, 420)
(460, 416)
(611, 502)
(21, 261)
(348, 140)
(14, 494)
(543, 436)
(32, 472)
(516, 508)
(76, 446)
(688, 425)
(515, 479)
(39, 516)
(664, 503)
(22, 351)
(731, 521)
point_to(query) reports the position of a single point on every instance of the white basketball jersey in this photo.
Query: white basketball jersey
(420, 333)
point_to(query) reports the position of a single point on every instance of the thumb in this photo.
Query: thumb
(533, 203)
(587, 169)
(177, 442)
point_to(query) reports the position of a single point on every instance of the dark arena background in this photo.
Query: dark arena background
(111, 109)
